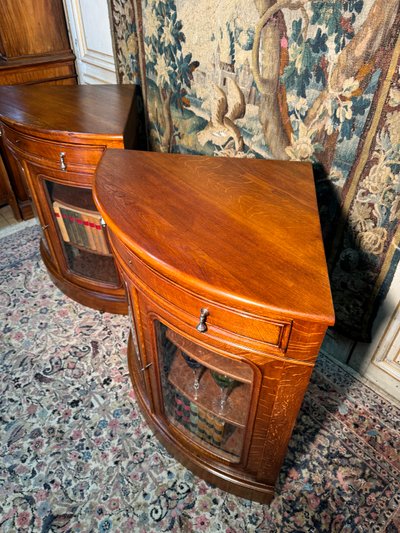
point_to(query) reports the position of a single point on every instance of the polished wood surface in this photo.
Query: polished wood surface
(63, 114)
(34, 50)
(242, 239)
(32, 28)
(249, 219)
(55, 135)
(69, 113)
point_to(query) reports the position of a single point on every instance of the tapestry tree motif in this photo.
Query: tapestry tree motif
(169, 67)
(282, 79)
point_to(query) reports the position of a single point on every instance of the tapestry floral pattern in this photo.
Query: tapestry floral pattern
(281, 79)
(170, 68)
(371, 237)
(125, 33)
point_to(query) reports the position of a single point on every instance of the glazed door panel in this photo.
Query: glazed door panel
(206, 397)
(71, 224)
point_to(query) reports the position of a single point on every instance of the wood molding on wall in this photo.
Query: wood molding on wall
(379, 361)
(89, 25)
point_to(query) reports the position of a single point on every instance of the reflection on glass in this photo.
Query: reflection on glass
(197, 369)
(83, 238)
(206, 396)
(226, 385)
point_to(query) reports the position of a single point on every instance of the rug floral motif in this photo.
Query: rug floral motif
(77, 456)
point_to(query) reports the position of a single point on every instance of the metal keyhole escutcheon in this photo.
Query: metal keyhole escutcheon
(202, 326)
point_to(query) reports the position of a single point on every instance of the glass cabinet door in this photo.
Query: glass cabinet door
(82, 236)
(206, 396)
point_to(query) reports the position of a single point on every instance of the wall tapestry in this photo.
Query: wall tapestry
(291, 79)
(125, 36)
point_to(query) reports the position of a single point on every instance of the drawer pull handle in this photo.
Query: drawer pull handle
(63, 166)
(202, 326)
(44, 228)
(146, 367)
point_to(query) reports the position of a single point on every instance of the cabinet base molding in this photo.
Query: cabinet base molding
(116, 304)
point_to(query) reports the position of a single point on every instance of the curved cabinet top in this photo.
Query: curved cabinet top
(99, 114)
(241, 232)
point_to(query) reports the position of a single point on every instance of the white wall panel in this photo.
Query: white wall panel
(90, 30)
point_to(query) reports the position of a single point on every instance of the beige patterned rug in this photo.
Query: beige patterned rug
(76, 455)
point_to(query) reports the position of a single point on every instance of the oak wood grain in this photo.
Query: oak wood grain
(56, 69)
(70, 114)
(32, 28)
(242, 239)
(245, 233)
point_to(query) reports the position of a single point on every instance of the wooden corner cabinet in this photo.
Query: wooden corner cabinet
(34, 49)
(230, 300)
(54, 136)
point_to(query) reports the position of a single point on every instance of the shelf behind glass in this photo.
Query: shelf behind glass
(91, 264)
(83, 238)
(206, 396)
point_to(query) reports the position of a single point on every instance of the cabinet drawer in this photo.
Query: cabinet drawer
(257, 333)
(75, 157)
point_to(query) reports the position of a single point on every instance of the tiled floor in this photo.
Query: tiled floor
(6, 217)
(9, 225)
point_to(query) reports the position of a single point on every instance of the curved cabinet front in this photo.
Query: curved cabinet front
(229, 300)
(74, 246)
(54, 137)
(224, 407)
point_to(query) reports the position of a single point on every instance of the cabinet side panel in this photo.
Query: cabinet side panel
(272, 373)
(15, 173)
(33, 28)
(292, 386)
(305, 340)
(137, 343)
